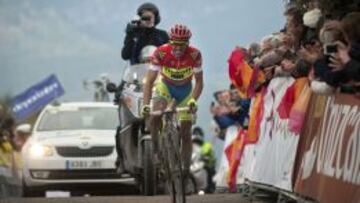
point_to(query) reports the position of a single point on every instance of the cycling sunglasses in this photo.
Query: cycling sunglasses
(179, 43)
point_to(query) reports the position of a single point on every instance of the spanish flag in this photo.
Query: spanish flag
(299, 108)
(291, 95)
(242, 75)
(256, 115)
(234, 153)
(235, 150)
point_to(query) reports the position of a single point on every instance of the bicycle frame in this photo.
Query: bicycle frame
(169, 143)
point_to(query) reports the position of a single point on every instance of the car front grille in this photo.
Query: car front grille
(91, 152)
(78, 174)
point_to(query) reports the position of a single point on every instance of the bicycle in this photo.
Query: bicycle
(169, 153)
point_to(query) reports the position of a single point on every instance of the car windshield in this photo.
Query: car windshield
(89, 118)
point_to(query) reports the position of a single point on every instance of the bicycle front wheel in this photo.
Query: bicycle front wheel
(175, 166)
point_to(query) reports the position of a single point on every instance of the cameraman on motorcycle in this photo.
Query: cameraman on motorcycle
(207, 155)
(142, 32)
(141, 35)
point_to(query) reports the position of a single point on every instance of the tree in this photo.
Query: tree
(334, 9)
(5, 106)
(5, 111)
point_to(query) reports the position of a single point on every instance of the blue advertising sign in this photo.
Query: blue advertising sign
(36, 97)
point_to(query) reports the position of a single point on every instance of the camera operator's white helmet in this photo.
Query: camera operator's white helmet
(23, 128)
(146, 53)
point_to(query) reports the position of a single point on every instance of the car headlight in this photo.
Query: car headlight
(38, 150)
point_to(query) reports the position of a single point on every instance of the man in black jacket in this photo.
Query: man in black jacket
(142, 32)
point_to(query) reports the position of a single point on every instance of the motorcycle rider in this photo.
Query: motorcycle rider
(177, 62)
(140, 35)
(207, 155)
(143, 32)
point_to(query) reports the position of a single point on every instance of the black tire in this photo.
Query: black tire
(175, 166)
(149, 172)
(190, 185)
(32, 192)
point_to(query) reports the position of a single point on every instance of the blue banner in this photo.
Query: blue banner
(36, 97)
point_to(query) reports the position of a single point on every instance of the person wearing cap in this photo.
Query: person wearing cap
(143, 32)
(178, 63)
(207, 155)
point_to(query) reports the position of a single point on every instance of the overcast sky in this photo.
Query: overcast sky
(80, 39)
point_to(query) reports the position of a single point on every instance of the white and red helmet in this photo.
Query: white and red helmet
(180, 33)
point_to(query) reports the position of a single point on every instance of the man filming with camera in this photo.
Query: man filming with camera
(141, 37)
(143, 32)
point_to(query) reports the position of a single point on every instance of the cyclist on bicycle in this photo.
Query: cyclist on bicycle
(178, 63)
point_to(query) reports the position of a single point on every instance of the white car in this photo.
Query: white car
(71, 143)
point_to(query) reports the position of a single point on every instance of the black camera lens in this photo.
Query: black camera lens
(332, 48)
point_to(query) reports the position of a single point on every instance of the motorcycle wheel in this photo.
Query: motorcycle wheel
(191, 186)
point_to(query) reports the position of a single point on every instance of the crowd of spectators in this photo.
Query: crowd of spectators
(320, 41)
(229, 110)
(12, 136)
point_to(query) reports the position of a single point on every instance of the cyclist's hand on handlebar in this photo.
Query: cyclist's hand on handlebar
(192, 104)
(145, 111)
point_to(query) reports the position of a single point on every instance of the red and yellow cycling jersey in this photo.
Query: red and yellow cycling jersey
(177, 70)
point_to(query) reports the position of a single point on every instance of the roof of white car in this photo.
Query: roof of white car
(80, 104)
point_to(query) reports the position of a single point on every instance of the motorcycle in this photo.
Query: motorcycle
(133, 141)
(198, 175)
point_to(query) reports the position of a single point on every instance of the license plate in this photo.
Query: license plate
(83, 164)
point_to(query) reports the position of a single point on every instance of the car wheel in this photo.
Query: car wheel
(31, 192)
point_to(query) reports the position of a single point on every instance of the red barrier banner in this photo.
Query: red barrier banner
(328, 159)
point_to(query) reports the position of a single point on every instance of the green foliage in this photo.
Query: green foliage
(335, 9)
(5, 103)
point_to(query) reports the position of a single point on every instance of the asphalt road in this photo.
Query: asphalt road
(221, 198)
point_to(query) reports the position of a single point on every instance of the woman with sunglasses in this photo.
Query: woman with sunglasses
(143, 32)
(178, 63)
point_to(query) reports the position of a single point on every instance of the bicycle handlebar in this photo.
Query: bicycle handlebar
(178, 109)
